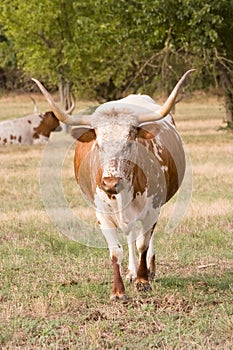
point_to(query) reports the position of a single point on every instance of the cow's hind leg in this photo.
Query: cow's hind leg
(142, 242)
(151, 258)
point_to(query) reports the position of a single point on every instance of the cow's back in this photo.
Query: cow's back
(17, 131)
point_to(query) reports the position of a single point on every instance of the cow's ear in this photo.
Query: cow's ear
(148, 130)
(83, 134)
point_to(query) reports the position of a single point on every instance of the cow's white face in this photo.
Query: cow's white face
(115, 135)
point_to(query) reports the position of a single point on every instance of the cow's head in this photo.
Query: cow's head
(114, 127)
(119, 139)
(48, 123)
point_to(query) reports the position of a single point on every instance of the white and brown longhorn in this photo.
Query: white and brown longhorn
(129, 161)
(32, 129)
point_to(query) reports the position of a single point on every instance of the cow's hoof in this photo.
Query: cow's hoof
(121, 297)
(142, 286)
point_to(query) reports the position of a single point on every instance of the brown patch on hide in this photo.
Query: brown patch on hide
(171, 174)
(87, 168)
(147, 138)
(139, 180)
(49, 123)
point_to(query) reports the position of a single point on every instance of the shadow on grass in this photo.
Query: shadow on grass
(203, 282)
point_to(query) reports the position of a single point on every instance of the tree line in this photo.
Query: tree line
(105, 49)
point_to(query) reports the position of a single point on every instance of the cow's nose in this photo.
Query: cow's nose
(111, 184)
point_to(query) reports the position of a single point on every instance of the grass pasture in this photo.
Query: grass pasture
(54, 292)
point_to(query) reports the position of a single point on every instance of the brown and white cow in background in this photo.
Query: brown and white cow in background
(129, 161)
(32, 129)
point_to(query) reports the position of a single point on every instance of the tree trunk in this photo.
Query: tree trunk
(65, 97)
(226, 81)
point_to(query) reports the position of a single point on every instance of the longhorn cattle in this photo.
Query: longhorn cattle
(129, 161)
(32, 129)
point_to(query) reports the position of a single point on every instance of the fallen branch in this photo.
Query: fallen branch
(206, 265)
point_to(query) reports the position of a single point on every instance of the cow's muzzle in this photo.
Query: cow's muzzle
(111, 184)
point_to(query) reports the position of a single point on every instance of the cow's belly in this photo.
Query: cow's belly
(15, 136)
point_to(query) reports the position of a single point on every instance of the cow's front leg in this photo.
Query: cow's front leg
(116, 254)
(132, 265)
(142, 242)
(118, 288)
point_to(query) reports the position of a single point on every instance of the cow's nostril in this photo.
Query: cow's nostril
(110, 184)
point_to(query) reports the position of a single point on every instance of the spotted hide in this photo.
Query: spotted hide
(129, 161)
(32, 129)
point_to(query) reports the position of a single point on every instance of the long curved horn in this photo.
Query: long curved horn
(169, 103)
(34, 104)
(167, 106)
(59, 113)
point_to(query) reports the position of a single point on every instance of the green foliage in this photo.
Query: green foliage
(39, 32)
(108, 48)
